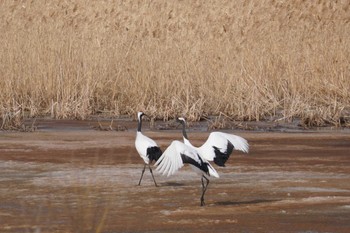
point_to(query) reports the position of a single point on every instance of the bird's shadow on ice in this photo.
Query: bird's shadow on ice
(249, 202)
(173, 184)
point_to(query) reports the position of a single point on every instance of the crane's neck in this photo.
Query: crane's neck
(184, 134)
(139, 124)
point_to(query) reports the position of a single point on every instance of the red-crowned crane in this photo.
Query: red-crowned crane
(147, 148)
(218, 147)
(176, 155)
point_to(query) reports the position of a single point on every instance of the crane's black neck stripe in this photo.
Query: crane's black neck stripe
(201, 165)
(139, 125)
(184, 130)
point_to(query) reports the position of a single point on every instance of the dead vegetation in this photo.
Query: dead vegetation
(249, 60)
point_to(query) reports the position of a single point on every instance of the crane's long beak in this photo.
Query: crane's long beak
(145, 115)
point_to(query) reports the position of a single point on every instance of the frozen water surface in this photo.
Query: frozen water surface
(86, 181)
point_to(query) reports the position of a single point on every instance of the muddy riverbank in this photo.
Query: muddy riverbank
(66, 179)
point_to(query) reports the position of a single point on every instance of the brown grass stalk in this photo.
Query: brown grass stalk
(249, 60)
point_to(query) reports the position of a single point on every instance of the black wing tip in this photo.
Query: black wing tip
(221, 157)
(220, 162)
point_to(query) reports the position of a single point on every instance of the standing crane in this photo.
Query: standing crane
(147, 148)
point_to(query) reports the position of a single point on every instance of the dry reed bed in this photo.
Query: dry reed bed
(249, 60)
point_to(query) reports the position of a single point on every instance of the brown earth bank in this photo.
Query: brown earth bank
(68, 177)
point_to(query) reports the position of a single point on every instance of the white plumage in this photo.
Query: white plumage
(142, 143)
(146, 147)
(218, 147)
(177, 154)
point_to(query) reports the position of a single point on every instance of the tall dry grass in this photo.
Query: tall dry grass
(249, 60)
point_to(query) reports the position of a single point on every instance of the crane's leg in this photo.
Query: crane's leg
(150, 169)
(143, 171)
(204, 189)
